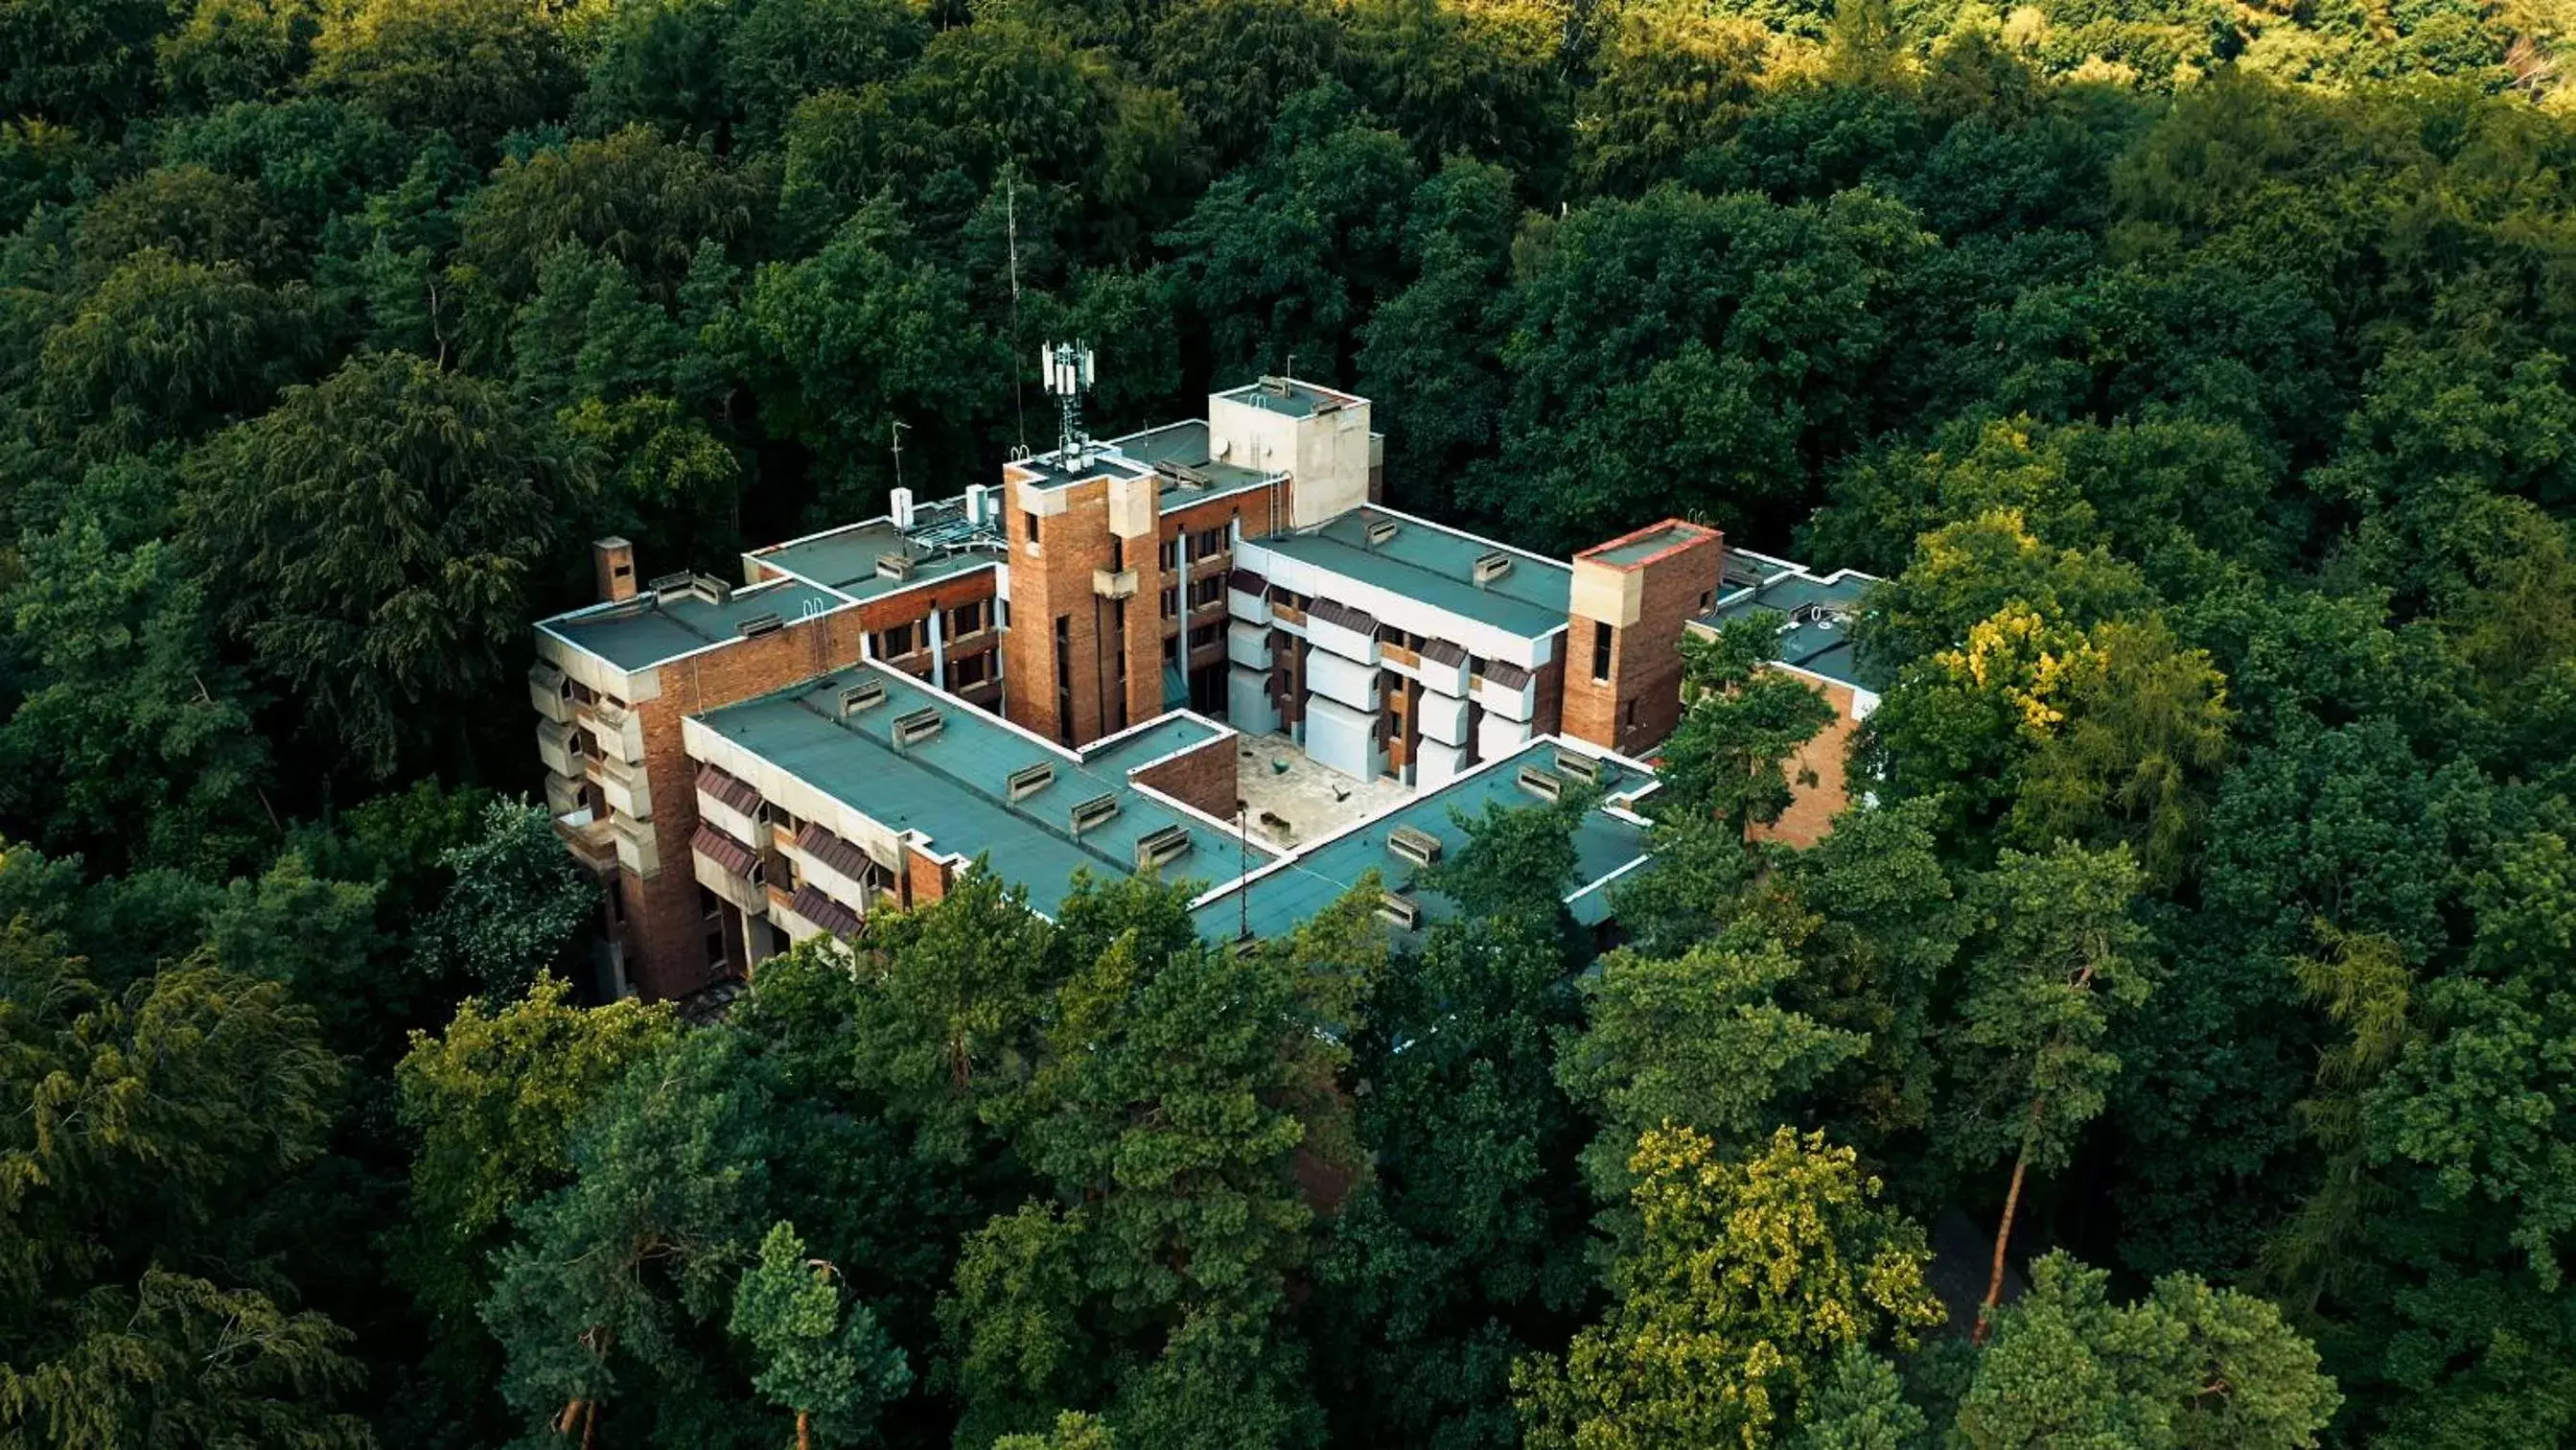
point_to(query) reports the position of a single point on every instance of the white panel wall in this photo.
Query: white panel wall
(1348, 643)
(1247, 702)
(1403, 611)
(1497, 736)
(1441, 717)
(1248, 645)
(1435, 763)
(1343, 738)
(1517, 704)
(1344, 682)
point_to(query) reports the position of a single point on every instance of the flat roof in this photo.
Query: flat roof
(845, 559)
(1436, 565)
(1185, 445)
(953, 788)
(639, 633)
(1289, 397)
(1103, 460)
(1606, 845)
(1634, 549)
(1817, 641)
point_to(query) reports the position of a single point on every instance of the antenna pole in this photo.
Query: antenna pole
(1011, 223)
(897, 430)
(1242, 868)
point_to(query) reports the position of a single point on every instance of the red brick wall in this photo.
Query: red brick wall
(926, 877)
(1057, 581)
(664, 931)
(1812, 808)
(1638, 705)
(1204, 777)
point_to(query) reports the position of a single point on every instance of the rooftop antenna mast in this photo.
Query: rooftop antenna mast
(1068, 370)
(897, 431)
(1011, 221)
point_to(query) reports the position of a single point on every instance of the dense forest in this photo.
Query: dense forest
(2194, 371)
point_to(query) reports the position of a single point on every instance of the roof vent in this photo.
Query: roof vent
(918, 726)
(711, 589)
(1184, 475)
(671, 586)
(865, 695)
(894, 566)
(1399, 911)
(1380, 530)
(1581, 767)
(1275, 387)
(1408, 843)
(1493, 566)
(1092, 813)
(1547, 785)
(1162, 846)
(757, 625)
(1028, 780)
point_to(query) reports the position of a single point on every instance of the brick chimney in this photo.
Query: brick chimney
(616, 561)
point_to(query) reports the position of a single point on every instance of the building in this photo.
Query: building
(1206, 649)
(1815, 644)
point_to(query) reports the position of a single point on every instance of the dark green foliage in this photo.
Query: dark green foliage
(2196, 377)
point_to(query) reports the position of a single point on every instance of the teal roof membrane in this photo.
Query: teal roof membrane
(846, 560)
(953, 787)
(1186, 444)
(1278, 901)
(1820, 647)
(643, 632)
(1437, 566)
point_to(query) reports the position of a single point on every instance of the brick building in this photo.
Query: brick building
(1204, 649)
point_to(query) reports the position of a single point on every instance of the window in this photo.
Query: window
(1628, 715)
(1600, 652)
(1208, 541)
(1064, 678)
(1706, 597)
(966, 619)
(896, 641)
(1170, 557)
(972, 670)
(1207, 593)
(1172, 602)
(777, 815)
(1171, 649)
(1207, 636)
(1117, 554)
(1032, 520)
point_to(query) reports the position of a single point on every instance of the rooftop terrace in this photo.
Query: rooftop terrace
(1609, 843)
(953, 788)
(1437, 566)
(649, 630)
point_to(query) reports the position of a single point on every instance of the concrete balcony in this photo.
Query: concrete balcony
(1334, 678)
(1248, 645)
(628, 791)
(618, 730)
(554, 747)
(638, 848)
(546, 692)
(593, 843)
(1250, 606)
(746, 896)
(1500, 696)
(1441, 717)
(1118, 585)
(563, 794)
